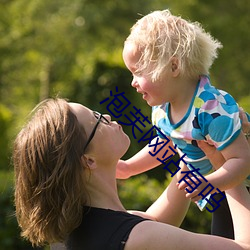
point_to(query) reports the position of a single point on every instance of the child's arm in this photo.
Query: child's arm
(140, 162)
(237, 166)
(234, 171)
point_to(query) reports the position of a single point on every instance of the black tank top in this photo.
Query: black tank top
(102, 229)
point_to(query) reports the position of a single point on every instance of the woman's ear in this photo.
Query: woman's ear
(89, 161)
(175, 66)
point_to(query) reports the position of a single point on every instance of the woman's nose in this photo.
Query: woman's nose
(108, 117)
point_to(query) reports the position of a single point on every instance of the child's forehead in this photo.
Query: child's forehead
(131, 53)
(132, 48)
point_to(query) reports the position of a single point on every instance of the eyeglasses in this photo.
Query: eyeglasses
(100, 118)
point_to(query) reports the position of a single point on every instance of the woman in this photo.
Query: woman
(65, 189)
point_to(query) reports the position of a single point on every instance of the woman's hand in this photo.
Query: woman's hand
(215, 156)
(245, 124)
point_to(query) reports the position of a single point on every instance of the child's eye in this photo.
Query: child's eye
(137, 74)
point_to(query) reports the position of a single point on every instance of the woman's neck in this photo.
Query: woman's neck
(102, 189)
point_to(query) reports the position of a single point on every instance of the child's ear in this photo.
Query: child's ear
(175, 66)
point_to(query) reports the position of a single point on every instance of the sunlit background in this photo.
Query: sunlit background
(72, 48)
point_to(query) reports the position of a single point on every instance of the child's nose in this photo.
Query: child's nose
(134, 83)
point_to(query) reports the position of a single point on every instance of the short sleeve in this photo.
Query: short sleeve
(159, 119)
(218, 118)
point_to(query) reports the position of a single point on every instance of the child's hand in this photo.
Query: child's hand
(122, 170)
(193, 187)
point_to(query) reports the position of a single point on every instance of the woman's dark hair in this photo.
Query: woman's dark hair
(49, 180)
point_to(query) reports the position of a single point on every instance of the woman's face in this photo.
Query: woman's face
(109, 140)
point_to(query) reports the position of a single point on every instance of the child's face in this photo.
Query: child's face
(154, 93)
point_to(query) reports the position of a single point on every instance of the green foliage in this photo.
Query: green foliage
(227, 22)
(245, 103)
(73, 48)
(9, 231)
(139, 192)
(5, 124)
(197, 221)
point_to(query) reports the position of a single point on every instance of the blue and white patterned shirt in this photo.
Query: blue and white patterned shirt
(213, 115)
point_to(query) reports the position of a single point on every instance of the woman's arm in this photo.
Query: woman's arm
(160, 236)
(239, 203)
(171, 207)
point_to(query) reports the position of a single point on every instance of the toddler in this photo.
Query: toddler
(170, 59)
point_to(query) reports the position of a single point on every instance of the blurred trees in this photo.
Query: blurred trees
(72, 48)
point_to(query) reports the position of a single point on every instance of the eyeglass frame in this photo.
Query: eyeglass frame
(100, 118)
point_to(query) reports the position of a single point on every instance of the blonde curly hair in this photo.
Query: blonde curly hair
(49, 181)
(160, 36)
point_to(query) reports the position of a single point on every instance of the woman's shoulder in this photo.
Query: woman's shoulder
(110, 227)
